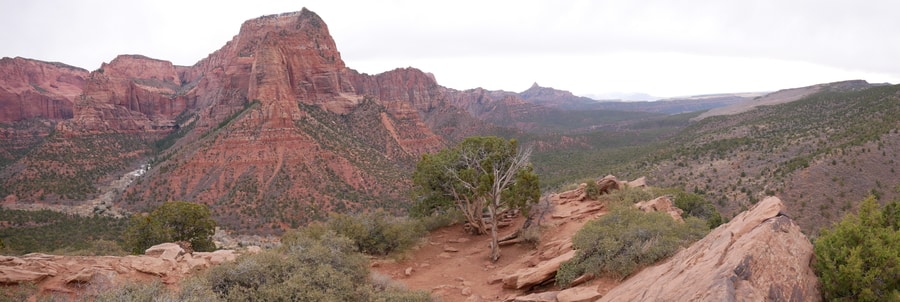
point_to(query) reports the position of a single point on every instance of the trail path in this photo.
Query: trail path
(455, 266)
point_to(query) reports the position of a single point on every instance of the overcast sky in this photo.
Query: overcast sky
(664, 48)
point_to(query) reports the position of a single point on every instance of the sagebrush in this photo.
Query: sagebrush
(625, 239)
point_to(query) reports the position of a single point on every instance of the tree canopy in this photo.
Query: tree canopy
(172, 221)
(480, 174)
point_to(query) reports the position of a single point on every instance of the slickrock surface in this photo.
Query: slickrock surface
(71, 274)
(760, 255)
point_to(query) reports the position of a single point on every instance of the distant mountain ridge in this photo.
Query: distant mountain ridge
(784, 96)
(565, 100)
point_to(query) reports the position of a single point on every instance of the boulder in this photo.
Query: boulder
(165, 251)
(150, 265)
(85, 275)
(574, 195)
(661, 204)
(638, 183)
(192, 263)
(578, 294)
(536, 275)
(253, 249)
(220, 256)
(608, 183)
(759, 255)
(13, 275)
(538, 297)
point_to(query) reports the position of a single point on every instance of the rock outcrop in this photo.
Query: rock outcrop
(661, 204)
(71, 274)
(536, 275)
(131, 93)
(578, 294)
(36, 89)
(760, 255)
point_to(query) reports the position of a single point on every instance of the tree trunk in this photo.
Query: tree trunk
(495, 245)
(473, 214)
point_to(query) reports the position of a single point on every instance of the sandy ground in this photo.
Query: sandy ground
(455, 266)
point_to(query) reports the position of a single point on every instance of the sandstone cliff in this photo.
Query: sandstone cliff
(36, 89)
(760, 255)
(285, 132)
(131, 93)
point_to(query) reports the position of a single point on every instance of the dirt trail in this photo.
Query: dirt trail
(455, 266)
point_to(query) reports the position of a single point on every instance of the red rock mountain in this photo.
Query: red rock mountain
(285, 132)
(132, 93)
(271, 130)
(35, 89)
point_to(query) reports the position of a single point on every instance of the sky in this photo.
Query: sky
(592, 48)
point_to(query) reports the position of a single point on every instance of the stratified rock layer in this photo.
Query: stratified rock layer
(760, 255)
(286, 132)
(36, 89)
(131, 93)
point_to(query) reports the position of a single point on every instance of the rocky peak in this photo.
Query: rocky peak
(277, 60)
(296, 60)
(553, 98)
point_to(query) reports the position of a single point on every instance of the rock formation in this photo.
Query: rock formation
(284, 124)
(36, 89)
(131, 93)
(661, 204)
(560, 99)
(760, 255)
(72, 274)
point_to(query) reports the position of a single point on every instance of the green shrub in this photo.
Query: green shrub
(308, 269)
(196, 289)
(694, 205)
(388, 290)
(627, 196)
(170, 222)
(436, 221)
(624, 240)
(16, 293)
(377, 233)
(136, 292)
(592, 190)
(98, 247)
(531, 236)
(47, 231)
(859, 258)
(401, 296)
